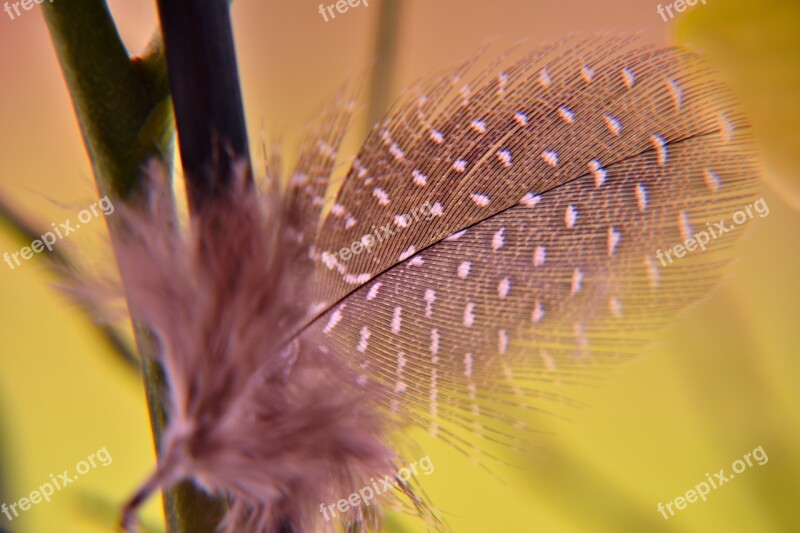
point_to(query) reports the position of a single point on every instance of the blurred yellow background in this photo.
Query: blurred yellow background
(723, 379)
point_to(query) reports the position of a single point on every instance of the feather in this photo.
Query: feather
(273, 430)
(558, 182)
(519, 217)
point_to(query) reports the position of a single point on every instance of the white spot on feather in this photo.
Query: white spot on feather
(397, 320)
(598, 172)
(435, 345)
(335, 318)
(363, 340)
(455, 236)
(571, 216)
(712, 180)
(469, 315)
(641, 197)
(408, 253)
(538, 313)
(463, 269)
(613, 240)
(627, 78)
(550, 157)
(529, 200)
(481, 200)
(544, 78)
(505, 157)
(401, 221)
(539, 256)
(502, 80)
(661, 148)
(316, 308)
(675, 92)
(396, 152)
(358, 279)
(503, 288)
(420, 179)
(479, 126)
(434, 407)
(381, 195)
(373, 291)
(577, 282)
(684, 225)
(498, 240)
(430, 298)
(612, 124)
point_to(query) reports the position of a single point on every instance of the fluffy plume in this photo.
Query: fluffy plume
(273, 430)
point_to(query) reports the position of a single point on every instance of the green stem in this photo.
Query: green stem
(125, 115)
(121, 104)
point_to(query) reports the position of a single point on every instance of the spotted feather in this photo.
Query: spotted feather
(557, 179)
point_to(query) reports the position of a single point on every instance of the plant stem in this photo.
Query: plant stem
(206, 94)
(385, 58)
(209, 115)
(122, 105)
(125, 116)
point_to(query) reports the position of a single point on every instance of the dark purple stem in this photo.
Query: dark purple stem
(207, 97)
